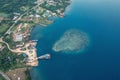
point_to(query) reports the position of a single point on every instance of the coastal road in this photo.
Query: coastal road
(4, 75)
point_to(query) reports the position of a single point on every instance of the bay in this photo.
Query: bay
(100, 19)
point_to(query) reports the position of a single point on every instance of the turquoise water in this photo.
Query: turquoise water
(100, 19)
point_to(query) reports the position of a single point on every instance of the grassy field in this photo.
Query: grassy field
(3, 28)
(3, 14)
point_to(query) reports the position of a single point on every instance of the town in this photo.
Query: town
(17, 26)
(17, 18)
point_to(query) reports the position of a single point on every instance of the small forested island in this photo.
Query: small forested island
(17, 18)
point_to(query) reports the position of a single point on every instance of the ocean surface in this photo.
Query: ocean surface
(100, 19)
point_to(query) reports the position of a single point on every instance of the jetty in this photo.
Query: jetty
(42, 57)
(45, 56)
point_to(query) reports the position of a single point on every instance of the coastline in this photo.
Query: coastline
(19, 73)
(27, 46)
(85, 59)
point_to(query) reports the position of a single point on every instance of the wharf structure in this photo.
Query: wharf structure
(32, 55)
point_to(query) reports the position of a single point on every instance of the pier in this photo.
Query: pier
(45, 56)
(42, 57)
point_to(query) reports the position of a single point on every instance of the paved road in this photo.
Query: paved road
(8, 31)
(4, 75)
(15, 51)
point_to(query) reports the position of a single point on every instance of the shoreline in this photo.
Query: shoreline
(29, 49)
(19, 33)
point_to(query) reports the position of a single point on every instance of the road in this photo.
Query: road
(4, 75)
(8, 31)
(15, 51)
(6, 44)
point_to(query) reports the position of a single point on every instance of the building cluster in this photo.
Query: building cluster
(30, 51)
(51, 2)
(16, 16)
(21, 34)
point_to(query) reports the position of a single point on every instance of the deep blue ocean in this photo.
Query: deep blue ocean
(100, 19)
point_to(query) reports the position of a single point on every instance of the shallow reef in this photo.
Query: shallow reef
(72, 40)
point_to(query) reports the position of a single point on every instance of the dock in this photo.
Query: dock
(45, 56)
(42, 57)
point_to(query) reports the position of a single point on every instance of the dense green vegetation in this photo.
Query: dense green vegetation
(60, 4)
(4, 25)
(10, 6)
(27, 72)
(9, 40)
(8, 10)
(3, 29)
(2, 78)
(9, 60)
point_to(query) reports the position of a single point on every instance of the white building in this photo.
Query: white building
(18, 37)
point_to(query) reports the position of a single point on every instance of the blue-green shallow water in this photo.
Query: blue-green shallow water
(100, 19)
